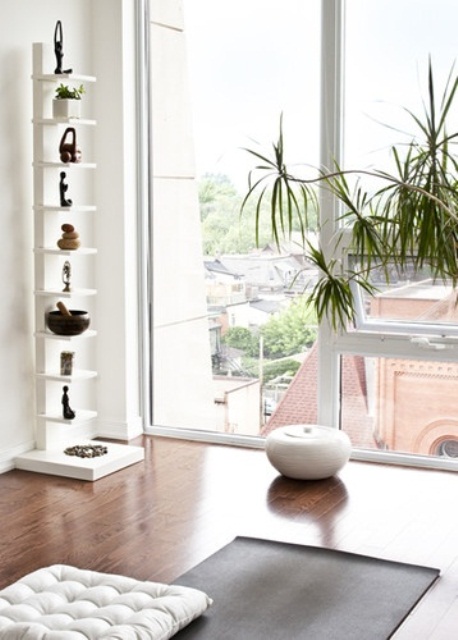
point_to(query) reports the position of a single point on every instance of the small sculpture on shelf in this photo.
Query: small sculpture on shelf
(69, 151)
(67, 412)
(63, 188)
(66, 363)
(66, 276)
(69, 239)
(59, 48)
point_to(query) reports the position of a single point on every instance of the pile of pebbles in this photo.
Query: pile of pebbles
(70, 238)
(86, 451)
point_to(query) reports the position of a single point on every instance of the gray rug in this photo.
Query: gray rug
(266, 590)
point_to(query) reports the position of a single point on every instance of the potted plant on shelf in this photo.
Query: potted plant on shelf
(67, 101)
(408, 221)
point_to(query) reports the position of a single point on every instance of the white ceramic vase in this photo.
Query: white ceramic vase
(308, 451)
(66, 108)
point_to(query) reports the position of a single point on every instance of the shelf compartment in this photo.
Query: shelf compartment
(65, 294)
(56, 77)
(73, 209)
(88, 122)
(45, 164)
(79, 375)
(47, 335)
(65, 252)
(82, 415)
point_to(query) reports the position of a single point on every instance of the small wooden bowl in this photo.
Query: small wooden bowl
(63, 325)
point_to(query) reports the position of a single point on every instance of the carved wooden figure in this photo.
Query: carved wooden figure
(67, 412)
(69, 151)
(59, 48)
(63, 188)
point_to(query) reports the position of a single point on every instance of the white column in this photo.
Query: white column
(113, 31)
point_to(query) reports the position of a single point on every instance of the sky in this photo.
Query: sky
(251, 60)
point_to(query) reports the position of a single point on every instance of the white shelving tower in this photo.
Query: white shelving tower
(54, 433)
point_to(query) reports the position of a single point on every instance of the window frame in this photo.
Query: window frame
(369, 339)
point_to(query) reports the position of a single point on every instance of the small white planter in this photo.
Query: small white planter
(64, 108)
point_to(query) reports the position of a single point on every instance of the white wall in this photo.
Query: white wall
(23, 22)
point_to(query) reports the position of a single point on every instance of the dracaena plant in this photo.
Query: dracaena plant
(409, 220)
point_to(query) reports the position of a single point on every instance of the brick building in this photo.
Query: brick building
(387, 403)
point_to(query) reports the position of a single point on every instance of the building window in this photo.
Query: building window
(448, 448)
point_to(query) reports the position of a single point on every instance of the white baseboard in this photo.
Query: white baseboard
(119, 430)
(7, 457)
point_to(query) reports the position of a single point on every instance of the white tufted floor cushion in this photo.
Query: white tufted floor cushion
(65, 603)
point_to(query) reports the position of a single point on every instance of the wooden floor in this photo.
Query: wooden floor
(158, 518)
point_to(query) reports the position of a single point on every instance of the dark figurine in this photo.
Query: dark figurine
(63, 187)
(59, 48)
(66, 276)
(68, 413)
(69, 151)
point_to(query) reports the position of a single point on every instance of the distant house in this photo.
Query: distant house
(223, 286)
(234, 301)
(268, 271)
(262, 309)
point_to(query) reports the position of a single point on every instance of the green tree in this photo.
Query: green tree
(215, 190)
(279, 368)
(242, 338)
(291, 331)
(224, 229)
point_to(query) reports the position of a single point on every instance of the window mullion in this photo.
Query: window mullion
(331, 150)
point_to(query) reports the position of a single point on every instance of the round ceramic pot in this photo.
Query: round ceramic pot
(308, 451)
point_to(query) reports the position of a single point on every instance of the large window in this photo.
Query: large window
(234, 348)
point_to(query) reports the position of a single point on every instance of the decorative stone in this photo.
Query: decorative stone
(69, 239)
(308, 451)
(65, 244)
(86, 451)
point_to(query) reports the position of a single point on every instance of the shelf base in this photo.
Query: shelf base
(55, 462)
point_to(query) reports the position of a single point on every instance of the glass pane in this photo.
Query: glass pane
(409, 296)
(230, 327)
(422, 301)
(388, 48)
(388, 44)
(250, 62)
(403, 406)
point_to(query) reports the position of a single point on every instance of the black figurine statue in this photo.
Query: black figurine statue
(63, 187)
(59, 48)
(67, 412)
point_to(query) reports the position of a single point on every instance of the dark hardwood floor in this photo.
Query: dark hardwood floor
(157, 519)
